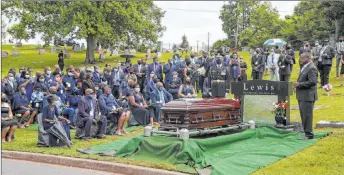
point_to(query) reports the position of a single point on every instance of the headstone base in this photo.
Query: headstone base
(287, 127)
(4, 54)
(330, 124)
(41, 51)
(15, 53)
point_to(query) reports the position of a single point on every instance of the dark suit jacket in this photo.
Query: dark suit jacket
(168, 72)
(259, 59)
(330, 52)
(158, 70)
(84, 108)
(307, 90)
(284, 60)
(155, 97)
(143, 70)
(87, 85)
(9, 90)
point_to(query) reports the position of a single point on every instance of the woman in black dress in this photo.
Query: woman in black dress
(138, 105)
(8, 124)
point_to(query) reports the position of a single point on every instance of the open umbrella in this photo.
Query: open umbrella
(58, 131)
(127, 55)
(275, 42)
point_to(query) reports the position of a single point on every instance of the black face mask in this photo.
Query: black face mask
(53, 92)
(288, 48)
(139, 63)
(306, 45)
(341, 40)
(4, 100)
(188, 81)
(155, 80)
(218, 61)
(132, 86)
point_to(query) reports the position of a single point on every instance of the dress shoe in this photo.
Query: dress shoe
(305, 138)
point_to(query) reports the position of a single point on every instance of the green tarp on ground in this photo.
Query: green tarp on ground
(240, 153)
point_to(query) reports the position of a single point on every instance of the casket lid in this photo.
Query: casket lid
(199, 104)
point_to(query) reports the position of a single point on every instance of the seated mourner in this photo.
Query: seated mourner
(37, 99)
(89, 122)
(206, 89)
(21, 105)
(150, 85)
(56, 125)
(138, 105)
(159, 97)
(187, 90)
(174, 85)
(8, 124)
(116, 116)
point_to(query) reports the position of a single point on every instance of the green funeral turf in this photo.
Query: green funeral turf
(240, 153)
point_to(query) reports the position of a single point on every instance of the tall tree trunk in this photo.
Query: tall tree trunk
(90, 50)
(337, 29)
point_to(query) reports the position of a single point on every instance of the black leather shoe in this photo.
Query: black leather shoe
(305, 138)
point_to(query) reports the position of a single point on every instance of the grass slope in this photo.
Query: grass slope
(325, 157)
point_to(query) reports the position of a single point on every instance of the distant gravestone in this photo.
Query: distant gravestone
(37, 47)
(68, 55)
(19, 44)
(115, 52)
(41, 51)
(108, 51)
(4, 54)
(15, 53)
(158, 54)
(64, 50)
(83, 46)
(132, 51)
(53, 50)
(76, 48)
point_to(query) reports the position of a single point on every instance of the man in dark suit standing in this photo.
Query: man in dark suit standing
(305, 49)
(257, 63)
(156, 67)
(327, 52)
(306, 93)
(140, 71)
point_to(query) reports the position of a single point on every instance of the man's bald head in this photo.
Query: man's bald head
(159, 85)
(88, 91)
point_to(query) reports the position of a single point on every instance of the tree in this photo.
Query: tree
(334, 10)
(225, 42)
(185, 43)
(105, 21)
(3, 29)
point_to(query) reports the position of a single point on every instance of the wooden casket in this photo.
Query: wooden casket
(200, 113)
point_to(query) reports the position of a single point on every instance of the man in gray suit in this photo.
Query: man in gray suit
(327, 52)
(140, 72)
(339, 53)
(306, 93)
(257, 63)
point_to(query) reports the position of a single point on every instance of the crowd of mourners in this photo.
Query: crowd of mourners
(99, 102)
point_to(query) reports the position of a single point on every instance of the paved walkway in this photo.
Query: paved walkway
(15, 167)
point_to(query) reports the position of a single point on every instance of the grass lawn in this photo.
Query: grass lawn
(325, 157)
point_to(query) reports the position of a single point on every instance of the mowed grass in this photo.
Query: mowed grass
(325, 157)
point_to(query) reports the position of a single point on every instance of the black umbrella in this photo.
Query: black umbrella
(58, 131)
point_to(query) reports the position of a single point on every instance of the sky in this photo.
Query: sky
(195, 19)
(196, 24)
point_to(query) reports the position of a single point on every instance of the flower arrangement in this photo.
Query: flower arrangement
(327, 87)
(280, 108)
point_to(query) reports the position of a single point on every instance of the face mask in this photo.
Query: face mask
(4, 100)
(97, 70)
(306, 45)
(175, 76)
(55, 103)
(57, 79)
(188, 81)
(27, 76)
(151, 75)
(139, 63)
(90, 96)
(218, 61)
(53, 92)
(132, 86)
(23, 92)
(155, 80)
(49, 72)
(70, 74)
(160, 88)
(156, 62)
(41, 80)
(115, 70)
(288, 48)
(137, 89)
(341, 40)
(11, 78)
(96, 88)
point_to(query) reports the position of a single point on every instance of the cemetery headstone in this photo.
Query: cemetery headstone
(53, 49)
(108, 51)
(41, 51)
(15, 53)
(258, 97)
(76, 48)
(19, 44)
(4, 54)
(37, 47)
(83, 46)
(68, 55)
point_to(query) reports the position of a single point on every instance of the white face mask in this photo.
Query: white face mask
(27, 76)
(49, 72)
(97, 70)
(175, 76)
(41, 80)
(11, 78)
(57, 79)
(70, 74)
(96, 88)
(56, 103)
(137, 89)
(151, 75)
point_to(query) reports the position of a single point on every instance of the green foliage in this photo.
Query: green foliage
(225, 42)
